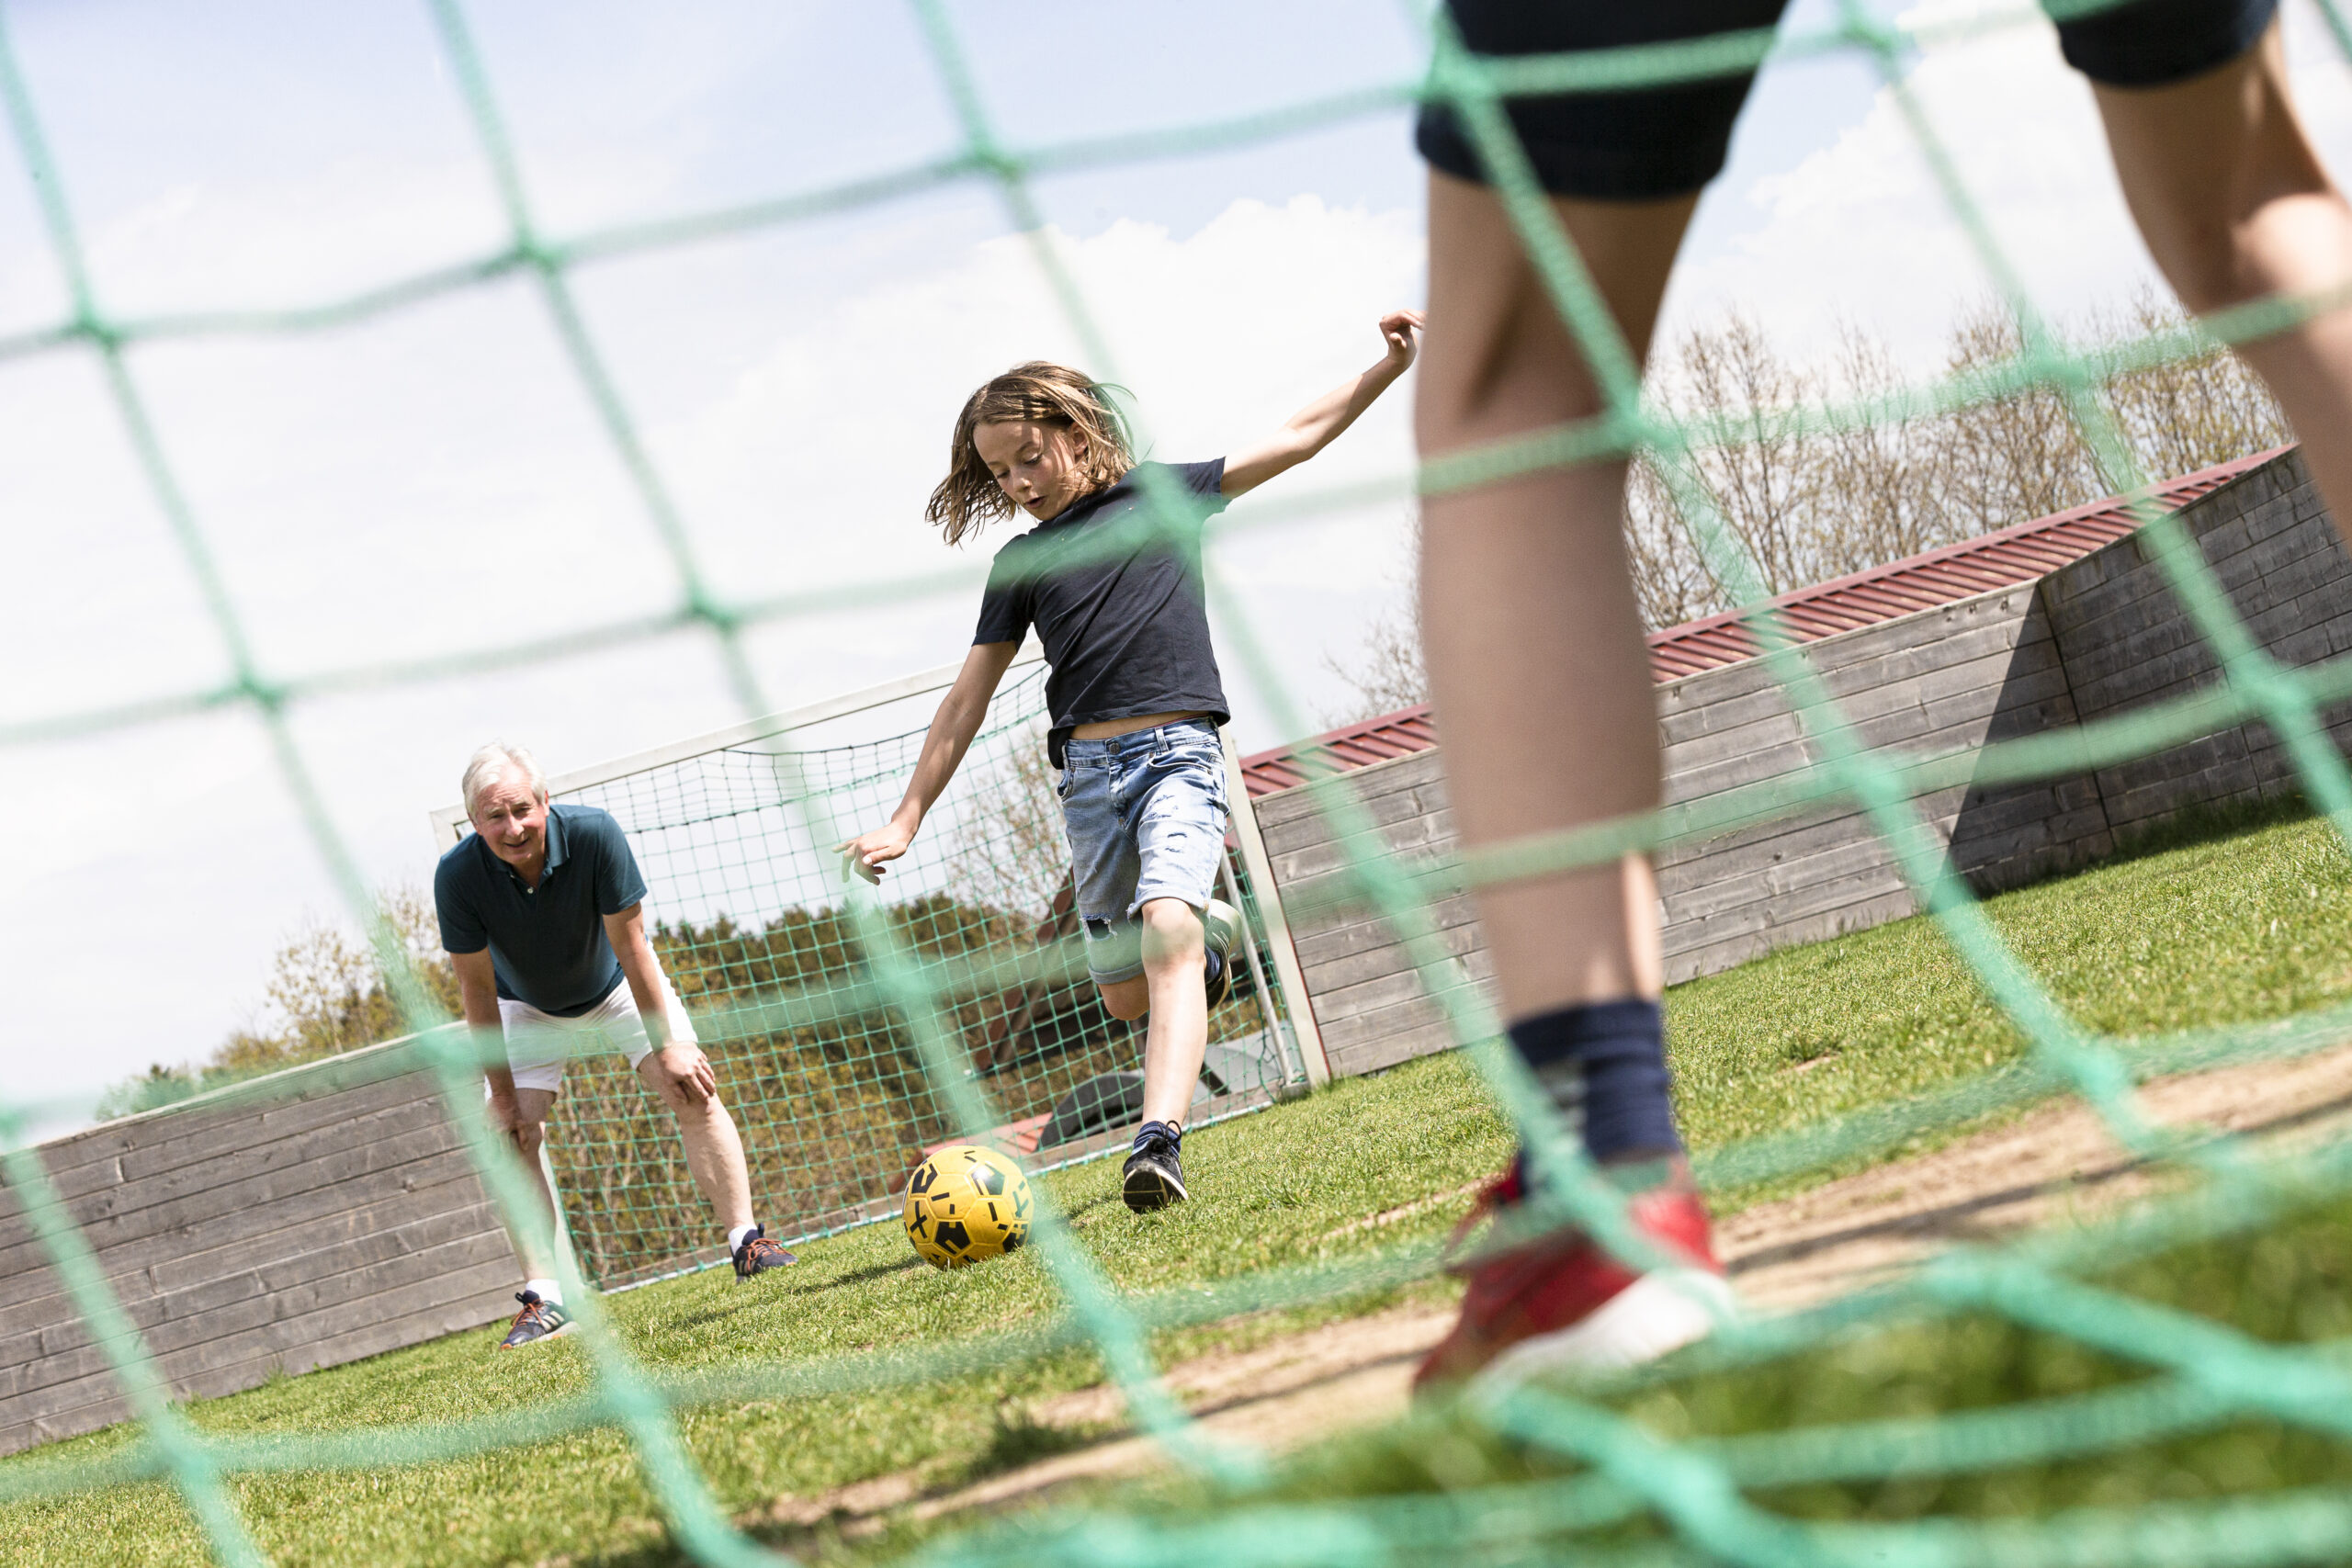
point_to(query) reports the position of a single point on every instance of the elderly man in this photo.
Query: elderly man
(543, 915)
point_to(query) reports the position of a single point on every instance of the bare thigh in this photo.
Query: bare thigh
(1533, 637)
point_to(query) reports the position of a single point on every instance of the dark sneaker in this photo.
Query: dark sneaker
(1220, 928)
(538, 1320)
(1155, 1176)
(1559, 1300)
(759, 1254)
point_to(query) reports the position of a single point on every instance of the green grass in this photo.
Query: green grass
(2123, 1440)
(2249, 927)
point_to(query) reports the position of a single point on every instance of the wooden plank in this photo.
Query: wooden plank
(1716, 957)
(56, 1324)
(129, 1194)
(385, 1201)
(328, 1198)
(286, 1323)
(1337, 1007)
(446, 1305)
(1370, 962)
(1417, 845)
(1378, 811)
(241, 1192)
(1342, 939)
(1285, 807)
(1373, 1031)
(200, 1128)
(1397, 1045)
(413, 1328)
(278, 1259)
(1313, 853)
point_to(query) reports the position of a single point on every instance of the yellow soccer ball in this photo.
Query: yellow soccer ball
(966, 1204)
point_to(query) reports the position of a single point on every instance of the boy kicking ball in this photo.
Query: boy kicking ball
(1133, 694)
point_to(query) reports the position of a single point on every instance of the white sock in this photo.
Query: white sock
(735, 1238)
(546, 1290)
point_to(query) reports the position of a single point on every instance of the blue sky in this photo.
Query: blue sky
(434, 480)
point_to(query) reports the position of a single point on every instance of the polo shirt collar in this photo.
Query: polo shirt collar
(555, 851)
(555, 840)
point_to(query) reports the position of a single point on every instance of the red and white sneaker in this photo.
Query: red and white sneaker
(1560, 1301)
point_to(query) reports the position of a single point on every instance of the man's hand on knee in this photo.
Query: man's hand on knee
(508, 1116)
(683, 1073)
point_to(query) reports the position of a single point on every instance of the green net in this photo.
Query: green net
(903, 1000)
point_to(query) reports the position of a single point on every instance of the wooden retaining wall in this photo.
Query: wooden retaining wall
(2099, 636)
(316, 1216)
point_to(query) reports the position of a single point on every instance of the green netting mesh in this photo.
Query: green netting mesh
(903, 998)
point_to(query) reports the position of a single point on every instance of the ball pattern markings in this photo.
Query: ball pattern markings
(967, 1205)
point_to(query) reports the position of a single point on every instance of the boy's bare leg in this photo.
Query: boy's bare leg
(533, 1105)
(2235, 206)
(1174, 962)
(714, 1148)
(1530, 625)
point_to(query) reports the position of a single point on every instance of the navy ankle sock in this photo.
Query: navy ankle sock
(1606, 1063)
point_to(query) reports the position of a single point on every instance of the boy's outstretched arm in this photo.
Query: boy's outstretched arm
(1314, 426)
(950, 735)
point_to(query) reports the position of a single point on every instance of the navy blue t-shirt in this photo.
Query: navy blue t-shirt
(545, 944)
(1127, 634)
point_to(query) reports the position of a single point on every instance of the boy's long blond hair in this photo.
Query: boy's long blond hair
(1039, 393)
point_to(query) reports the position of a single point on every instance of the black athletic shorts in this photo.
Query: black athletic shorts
(1648, 143)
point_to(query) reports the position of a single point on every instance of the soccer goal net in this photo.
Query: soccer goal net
(734, 833)
(853, 1030)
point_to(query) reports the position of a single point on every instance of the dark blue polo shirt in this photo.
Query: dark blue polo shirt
(547, 945)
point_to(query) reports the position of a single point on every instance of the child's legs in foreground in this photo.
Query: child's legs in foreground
(2235, 206)
(1533, 636)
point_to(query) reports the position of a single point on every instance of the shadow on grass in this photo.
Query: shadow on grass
(1020, 1439)
(856, 1277)
(1075, 1215)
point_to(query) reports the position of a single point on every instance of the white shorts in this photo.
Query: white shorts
(539, 1044)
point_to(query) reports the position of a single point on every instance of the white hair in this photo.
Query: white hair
(485, 766)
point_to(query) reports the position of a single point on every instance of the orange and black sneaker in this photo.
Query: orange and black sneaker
(540, 1319)
(758, 1253)
(1560, 1301)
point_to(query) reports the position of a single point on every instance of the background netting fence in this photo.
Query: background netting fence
(836, 1111)
(1699, 1498)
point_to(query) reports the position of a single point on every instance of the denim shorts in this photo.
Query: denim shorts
(1146, 815)
(1648, 144)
